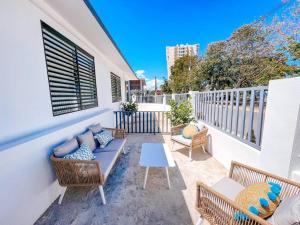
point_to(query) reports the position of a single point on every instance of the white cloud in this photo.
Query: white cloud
(150, 83)
(140, 74)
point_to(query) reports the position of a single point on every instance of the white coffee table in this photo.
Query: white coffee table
(156, 155)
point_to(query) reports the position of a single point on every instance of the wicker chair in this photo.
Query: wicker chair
(197, 141)
(220, 210)
(74, 173)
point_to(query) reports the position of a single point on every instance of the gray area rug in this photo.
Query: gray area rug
(127, 202)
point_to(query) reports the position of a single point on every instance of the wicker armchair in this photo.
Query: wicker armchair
(197, 141)
(219, 210)
(74, 173)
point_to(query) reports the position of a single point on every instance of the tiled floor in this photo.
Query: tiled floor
(128, 203)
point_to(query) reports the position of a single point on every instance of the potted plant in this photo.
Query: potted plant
(129, 108)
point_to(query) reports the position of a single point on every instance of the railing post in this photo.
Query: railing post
(174, 97)
(193, 101)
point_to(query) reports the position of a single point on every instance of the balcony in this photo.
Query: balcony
(128, 203)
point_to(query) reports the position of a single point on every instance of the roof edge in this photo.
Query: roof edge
(94, 13)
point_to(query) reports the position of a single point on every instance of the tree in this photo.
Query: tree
(183, 74)
(214, 67)
(246, 59)
(165, 87)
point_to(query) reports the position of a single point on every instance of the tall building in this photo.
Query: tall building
(175, 52)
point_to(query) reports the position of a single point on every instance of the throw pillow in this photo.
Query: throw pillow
(87, 138)
(66, 148)
(104, 138)
(97, 128)
(199, 125)
(288, 212)
(189, 131)
(260, 199)
(83, 153)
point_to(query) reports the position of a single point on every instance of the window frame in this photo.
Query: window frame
(118, 92)
(80, 76)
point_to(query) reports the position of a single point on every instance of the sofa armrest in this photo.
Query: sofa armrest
(218, 209)
(177, 129)
(77, 172)
(117, 133)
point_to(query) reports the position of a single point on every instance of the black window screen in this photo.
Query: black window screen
(115, 88)
(71, 74)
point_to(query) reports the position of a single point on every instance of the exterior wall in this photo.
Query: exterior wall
(28, 185)
(225, 148)
(280, 143)
(295, 159)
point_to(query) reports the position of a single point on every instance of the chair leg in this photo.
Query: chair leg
(200, 220)
(203, 148)
(173, 143)
(62, 193)
(190, 154)
(102, 194)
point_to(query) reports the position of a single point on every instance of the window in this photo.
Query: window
(115, 88)
(71, 74)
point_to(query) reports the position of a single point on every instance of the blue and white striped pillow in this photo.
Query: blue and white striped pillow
(104, 138)
(83, 153)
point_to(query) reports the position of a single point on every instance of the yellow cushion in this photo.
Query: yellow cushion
(251, 197)
(189, 131)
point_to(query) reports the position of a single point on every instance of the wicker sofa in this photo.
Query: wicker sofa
(218, 209)
(72, 173)
(198, 140)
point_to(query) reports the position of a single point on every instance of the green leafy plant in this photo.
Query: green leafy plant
(129, 106)
(180, 113)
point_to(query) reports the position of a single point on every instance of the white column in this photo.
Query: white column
(281, 134)
(164, 99)
(193, 101)
(173, 96)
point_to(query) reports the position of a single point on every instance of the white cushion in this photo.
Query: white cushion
(228, 187)
(288, 212)
(182, 140)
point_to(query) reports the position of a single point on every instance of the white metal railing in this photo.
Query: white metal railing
(238, 112)
(161, 99)
(149, 99)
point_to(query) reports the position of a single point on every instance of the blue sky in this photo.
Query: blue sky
(143, 28)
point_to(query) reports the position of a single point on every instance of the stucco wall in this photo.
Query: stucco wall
(225, 148)
(280, 142)
(28, 185)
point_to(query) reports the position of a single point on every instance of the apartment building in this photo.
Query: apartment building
(175, 52)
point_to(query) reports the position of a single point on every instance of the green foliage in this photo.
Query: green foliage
(253, 138)
(180, 113)
(129, 106)
(247, 58)
(165, 87)
(184, 75)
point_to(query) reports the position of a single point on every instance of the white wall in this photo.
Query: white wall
(280, 142)
(225, 148)
(28, 185)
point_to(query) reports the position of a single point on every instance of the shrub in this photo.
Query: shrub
(180, 113)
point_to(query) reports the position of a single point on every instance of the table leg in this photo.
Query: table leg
(146, 175)
(167, 171)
